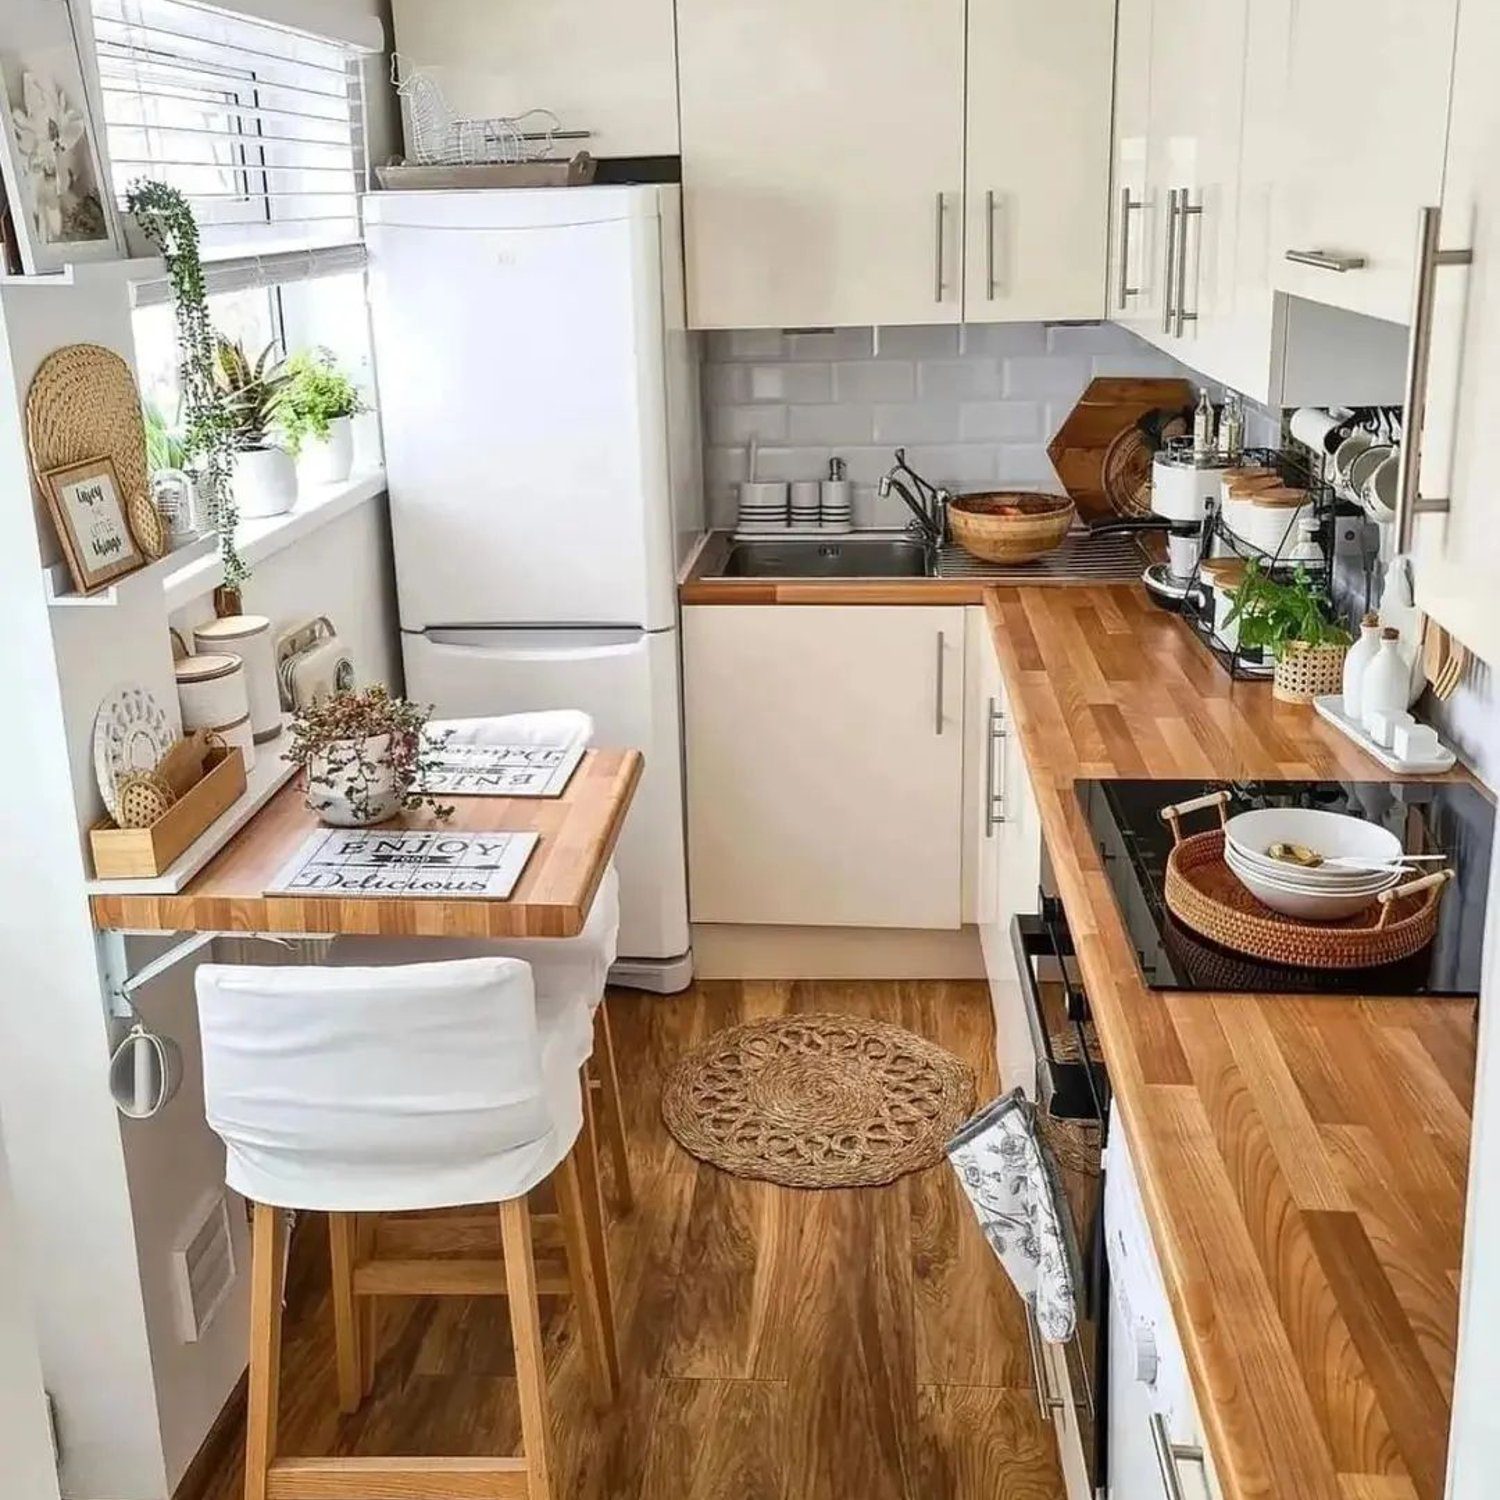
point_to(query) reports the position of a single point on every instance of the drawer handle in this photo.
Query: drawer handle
(1186, 210)
(1128, 206)
(1327, 260)
(938, 284)
(1166, 281)
(937, 722)
(1170, 1454)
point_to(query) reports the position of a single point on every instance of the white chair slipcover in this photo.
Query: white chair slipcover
(352, 1089)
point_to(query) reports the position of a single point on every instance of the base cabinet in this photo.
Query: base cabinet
(825, 764)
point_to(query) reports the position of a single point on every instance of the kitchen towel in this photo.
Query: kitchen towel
(1012, 1182)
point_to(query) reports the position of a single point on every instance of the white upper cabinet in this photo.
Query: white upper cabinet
(822, 161)
(824, 150)
(1136, 222)
(1366, 119)
(1458, 554)
(1039, 89)
(605, 66)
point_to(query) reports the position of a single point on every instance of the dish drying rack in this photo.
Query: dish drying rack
(1217, 542)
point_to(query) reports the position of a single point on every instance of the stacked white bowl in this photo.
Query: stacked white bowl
(1360, 860)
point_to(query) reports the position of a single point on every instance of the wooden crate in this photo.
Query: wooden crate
(129, 853)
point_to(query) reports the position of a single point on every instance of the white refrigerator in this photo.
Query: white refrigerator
(538, 398)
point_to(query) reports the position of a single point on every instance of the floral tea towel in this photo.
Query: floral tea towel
(1012, 1182)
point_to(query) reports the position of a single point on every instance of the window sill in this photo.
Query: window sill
(258, 540)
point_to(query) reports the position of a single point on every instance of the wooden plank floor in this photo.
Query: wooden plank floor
(776, 1344)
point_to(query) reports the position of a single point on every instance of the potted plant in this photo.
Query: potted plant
(364, 754)
(265, 478)
(314, 409)
(1292, 623)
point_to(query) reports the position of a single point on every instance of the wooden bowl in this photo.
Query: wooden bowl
(1010, 526)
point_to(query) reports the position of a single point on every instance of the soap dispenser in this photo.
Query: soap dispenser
(1361, 654)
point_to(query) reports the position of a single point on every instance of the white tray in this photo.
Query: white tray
(1332, 709)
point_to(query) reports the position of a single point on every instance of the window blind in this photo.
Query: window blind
(261, 127)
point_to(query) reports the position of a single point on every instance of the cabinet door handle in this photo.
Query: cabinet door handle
(994, 760)
(1327, 260)
(937, 722)
(938, 284)
(989, 245)
(1409, 502)
(1166, 280)
(1170, 1454)
(1124, 292)
(1047, 1401)
(1185, 211)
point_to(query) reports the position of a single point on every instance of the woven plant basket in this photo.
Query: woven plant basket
(1306, 672)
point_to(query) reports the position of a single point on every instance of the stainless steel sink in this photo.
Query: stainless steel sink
(847, 557)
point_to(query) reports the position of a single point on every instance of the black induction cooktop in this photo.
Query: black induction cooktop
(1447, 817)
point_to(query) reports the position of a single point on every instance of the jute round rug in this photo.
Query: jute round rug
(818, 1101)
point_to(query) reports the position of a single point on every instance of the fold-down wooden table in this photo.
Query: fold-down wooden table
(578, 833)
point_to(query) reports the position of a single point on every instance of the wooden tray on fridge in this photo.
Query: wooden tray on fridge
(1203, 893)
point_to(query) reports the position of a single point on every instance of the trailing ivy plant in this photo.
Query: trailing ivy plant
(208, 430)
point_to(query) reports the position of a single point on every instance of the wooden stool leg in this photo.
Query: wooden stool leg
(526, 1332)
(342, 1238)
(611, 1113)
(586, 1157)
(268, 1245)
(597, 1332)
(367, 1309)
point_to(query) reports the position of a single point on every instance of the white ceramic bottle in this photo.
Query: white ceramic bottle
(1387, 680)
(1361, 654)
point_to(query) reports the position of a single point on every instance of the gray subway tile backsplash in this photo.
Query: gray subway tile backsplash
(973, 406)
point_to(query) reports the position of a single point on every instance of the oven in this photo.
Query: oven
(1071, 1092)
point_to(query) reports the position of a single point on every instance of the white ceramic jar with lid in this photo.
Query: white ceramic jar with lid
(249, 637)
(211, 690)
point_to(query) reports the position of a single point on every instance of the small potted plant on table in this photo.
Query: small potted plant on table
(265, 478)
(364, 754)
(315, 409)
(1292, 623)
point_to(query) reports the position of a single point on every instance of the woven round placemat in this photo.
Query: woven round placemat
(83, 403)
(818, 1101)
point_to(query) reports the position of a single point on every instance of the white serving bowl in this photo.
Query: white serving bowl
(1333, 835)
(1312, 906)
(1317, 879)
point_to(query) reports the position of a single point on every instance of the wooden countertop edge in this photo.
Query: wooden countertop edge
(186, 910)
(832, 591)
(1264, 1441)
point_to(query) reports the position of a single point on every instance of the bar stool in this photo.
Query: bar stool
(363, 1092)
(565, 970)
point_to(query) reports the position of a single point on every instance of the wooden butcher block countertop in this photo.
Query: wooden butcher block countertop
(1303, 1159)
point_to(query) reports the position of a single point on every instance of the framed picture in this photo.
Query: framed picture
(91, 523)
(49, 157)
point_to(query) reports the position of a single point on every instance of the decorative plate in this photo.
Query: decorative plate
(131, 733)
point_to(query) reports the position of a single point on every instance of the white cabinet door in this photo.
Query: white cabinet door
(822, 161)
(1038, 102)
(1138, 221)
(605, 66)
(1458, 555)
(825, 764)
(1366, 119)
(1192, 170)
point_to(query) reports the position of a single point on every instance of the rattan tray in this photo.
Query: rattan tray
(1203, 893)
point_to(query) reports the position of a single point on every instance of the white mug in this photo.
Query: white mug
(1345, 454)
(1313, 426)
(1379, 493)
(145, 1071)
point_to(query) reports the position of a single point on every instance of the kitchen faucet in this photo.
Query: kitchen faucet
(929, 506)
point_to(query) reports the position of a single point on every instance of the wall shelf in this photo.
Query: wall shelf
(58, 582)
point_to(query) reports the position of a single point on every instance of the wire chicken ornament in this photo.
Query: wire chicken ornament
(438, 137)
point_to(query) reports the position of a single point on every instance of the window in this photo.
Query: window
(262, 128)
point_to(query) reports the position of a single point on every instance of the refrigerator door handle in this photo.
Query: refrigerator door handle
(584, 644)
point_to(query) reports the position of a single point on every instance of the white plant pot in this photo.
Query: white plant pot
(265, 482)
(329, 461)
(347, 794)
